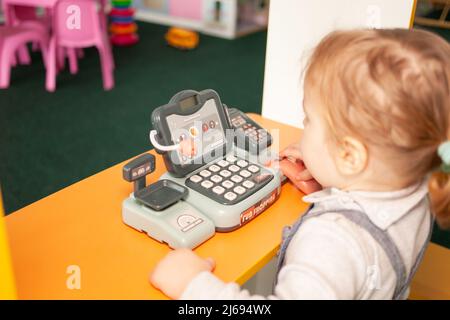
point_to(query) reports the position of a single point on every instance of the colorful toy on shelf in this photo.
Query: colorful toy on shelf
(182, 38)
(122, 28)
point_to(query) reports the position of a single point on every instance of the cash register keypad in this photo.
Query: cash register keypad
(253, 132)
(229, 180)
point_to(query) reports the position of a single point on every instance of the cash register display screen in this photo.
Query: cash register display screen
(188, 103)
(203, 126)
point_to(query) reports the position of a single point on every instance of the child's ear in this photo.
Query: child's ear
(352, 156)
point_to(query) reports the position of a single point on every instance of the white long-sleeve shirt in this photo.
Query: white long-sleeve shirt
(330, 257)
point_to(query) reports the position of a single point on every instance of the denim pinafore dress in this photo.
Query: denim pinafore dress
(381, 236)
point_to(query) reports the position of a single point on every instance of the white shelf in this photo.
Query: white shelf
(248, 28)
(159, 18)
(228, 27)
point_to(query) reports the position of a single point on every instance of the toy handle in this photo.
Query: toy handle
(186, 147)
(158, 146)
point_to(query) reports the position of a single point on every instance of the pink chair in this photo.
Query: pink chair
(77, 24)
(13, 38)
(78, 54)
(27, 16)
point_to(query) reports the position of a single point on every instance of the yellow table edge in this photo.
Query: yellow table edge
(7, 287)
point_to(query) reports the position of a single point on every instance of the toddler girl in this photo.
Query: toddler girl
(377, 138)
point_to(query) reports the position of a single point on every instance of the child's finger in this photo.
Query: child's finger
(291, 152)
(304, 175)
(309, 186)
(289, 169)
(153, 279)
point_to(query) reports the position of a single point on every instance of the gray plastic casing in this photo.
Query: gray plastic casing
(162, 225)
(216, 217)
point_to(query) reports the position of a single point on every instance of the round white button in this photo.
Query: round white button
(195, 178)
(205, 173)
(207, 184)
(214, 168)
(345, 200)
(230, 196)
(248, 184)
(216, 178)
(225, 173)
(234, 168)
(218, 189)
(239, 190)
(223, 163)
(245, 173)
(236, 178)
(227, 184)
(242, 163)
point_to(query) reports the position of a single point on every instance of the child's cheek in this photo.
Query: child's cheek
(306, 148)
(310, 152)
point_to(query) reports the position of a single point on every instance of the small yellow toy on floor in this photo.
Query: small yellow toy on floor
(182, 39)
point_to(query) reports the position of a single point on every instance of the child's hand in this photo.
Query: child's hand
(292, 166)
(293, 154)
(174, 272)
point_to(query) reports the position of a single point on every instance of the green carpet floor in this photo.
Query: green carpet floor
(51, 140)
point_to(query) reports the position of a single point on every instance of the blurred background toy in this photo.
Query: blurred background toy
(227, 19)
(123, 29)
(182, 39)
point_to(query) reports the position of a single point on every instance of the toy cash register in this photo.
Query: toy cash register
(219, 188)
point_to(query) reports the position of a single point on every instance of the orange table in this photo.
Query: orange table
(81, 225)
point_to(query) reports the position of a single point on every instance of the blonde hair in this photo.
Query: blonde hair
(390, 88)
